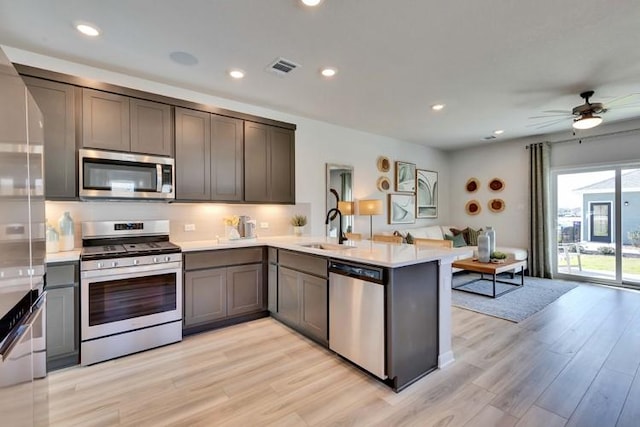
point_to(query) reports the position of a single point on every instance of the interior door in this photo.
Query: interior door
(600, 222)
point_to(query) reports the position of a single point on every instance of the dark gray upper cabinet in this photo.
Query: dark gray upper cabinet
(193, 155)
(57, 102)
(151, 127)
(117, 122)
(209, 156)
(105, 121)
(269, 168)
(227, 158)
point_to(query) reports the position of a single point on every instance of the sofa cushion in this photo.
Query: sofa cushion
(430, 232)
(472, 236)
(464, 233)
(458, 240)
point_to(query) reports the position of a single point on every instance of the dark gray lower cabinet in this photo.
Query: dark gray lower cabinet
(62, 315)
(272, 297)
(221, 285)
(303, 297)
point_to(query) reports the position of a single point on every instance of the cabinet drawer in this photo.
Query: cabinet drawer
(222, 258)
(61, 274)
(301, 262)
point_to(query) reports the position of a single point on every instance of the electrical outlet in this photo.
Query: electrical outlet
(264, 225)
(189, 227)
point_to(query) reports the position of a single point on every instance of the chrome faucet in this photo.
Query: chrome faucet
(341, 237)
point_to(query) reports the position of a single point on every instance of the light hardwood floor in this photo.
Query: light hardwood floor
(575, 364)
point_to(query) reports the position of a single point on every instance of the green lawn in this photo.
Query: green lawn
(604, 263)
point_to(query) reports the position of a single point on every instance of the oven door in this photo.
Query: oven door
(130, 298)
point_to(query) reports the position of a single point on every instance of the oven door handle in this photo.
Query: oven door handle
(133, 271)
(158, 177)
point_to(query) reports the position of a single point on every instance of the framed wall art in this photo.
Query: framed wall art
(426, 194)
(405, 177)
(402, 208)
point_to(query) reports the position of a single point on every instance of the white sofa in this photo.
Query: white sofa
(438, 232)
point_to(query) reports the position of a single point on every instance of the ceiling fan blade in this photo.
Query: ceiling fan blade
(557, 111)
(547, 124)
(623, 100)
(624, 107)
(550, 116)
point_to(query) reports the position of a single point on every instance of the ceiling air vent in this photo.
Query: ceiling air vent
(282, 66)
(489, 138)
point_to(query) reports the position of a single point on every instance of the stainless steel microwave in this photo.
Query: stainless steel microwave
(114, 175)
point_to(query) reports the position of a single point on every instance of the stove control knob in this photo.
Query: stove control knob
(99, 265)
(114, 264)
(155, 259)
(167, 258)
(136, 262)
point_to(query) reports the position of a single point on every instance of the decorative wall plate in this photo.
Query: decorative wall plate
(496, 205)
(473, 207)
(383, 184)
(496, 184)
(384, 164)
(472, 185)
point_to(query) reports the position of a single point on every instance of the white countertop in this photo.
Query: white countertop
(381, 254)
(66, 256)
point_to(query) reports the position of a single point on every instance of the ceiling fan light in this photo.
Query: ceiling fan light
(587, 121)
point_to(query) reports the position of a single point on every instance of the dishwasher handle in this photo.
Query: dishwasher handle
(366, 273)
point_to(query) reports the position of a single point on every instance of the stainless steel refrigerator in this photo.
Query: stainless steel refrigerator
(22, 252)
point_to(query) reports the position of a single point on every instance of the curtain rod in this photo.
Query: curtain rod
(586, 138)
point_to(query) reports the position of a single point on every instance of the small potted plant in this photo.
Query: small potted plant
(298, 222)
(498, 257)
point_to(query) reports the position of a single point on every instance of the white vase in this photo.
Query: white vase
(298, 229)
(483, 248)
(492, 239)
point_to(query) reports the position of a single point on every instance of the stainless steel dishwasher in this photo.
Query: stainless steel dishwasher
(356, 315)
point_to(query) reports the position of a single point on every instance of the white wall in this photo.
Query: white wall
(509, 160)
(317, 143)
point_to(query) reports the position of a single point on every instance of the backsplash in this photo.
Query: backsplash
(207, 217)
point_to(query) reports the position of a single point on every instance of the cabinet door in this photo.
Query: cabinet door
(61, 326)
(282, 166)
(151, 127)
(105, 121)
(227, 159)
(272, 297)
(205, 296)
(314, 301)
(57, 102)
(256, 162)
(193, 155)
(288, 295)
(244, 289)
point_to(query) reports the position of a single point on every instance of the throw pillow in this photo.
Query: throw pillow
(473, 236)
(465, 233)
(458, 241)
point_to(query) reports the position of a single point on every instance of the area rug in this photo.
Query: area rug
(515, 306)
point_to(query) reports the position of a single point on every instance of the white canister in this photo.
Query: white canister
(65, 224)
(492, 239)
(53, 240)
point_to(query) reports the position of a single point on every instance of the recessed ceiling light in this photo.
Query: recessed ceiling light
(498, 131)
(88, 30)
(236, 74)
(311, 2)
(329, 72)
(437, 107)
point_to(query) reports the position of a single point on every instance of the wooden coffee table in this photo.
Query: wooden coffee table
(473, 265)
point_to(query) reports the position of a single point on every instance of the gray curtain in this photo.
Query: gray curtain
(540, 232)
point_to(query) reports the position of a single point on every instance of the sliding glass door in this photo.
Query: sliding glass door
(597, 223)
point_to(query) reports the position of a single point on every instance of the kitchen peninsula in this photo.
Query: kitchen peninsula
(417, 294)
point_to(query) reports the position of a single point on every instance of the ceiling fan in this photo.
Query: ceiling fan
(587, 115)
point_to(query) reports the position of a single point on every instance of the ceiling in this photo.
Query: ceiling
(493, 63)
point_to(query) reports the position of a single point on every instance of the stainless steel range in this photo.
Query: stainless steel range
(131, 288)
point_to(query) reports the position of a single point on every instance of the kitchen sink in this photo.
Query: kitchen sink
(327, 246)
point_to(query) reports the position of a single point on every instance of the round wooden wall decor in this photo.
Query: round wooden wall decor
(496, 184)
(472, 185)
(472, 207)
(496, 205)
(384, 164)
(383, 183)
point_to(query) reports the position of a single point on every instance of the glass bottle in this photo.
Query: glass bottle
(53, 240)
(492, 239)
(65, 224)
(483, 248)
